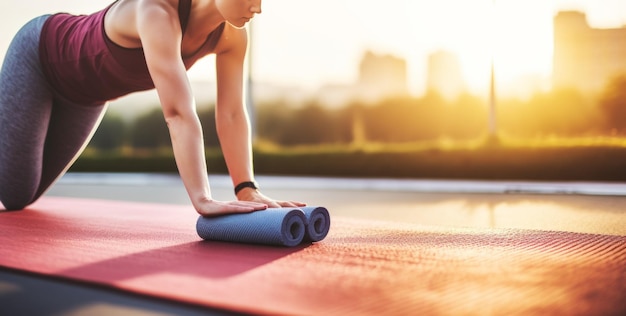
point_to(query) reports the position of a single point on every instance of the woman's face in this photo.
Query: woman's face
(238, 12)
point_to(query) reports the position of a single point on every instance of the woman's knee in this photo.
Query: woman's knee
(18, 185)
(16, 200)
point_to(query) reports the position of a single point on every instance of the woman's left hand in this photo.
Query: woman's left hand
(253, 195)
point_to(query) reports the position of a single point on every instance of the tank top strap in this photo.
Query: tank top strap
(184, 10)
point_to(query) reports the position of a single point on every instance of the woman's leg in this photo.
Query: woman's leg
(25, 108)
(70, 128)
(39, 135)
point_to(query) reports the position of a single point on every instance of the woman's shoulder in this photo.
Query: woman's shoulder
(122, 18)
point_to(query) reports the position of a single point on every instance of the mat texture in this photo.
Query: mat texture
(361, 267)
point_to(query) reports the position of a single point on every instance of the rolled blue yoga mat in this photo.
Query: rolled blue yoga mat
(317, 224)
(274, 226)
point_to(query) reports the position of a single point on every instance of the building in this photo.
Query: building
(586, 58)
(444, 74)
(381, 76)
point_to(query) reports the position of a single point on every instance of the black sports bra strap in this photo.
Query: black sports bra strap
(184, 10)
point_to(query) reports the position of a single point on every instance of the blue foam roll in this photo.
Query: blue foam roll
(318, 223)
(273, 226)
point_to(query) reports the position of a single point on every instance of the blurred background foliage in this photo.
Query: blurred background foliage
(561, 113)
(558, 135)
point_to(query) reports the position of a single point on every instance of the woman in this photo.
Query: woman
(60, 70)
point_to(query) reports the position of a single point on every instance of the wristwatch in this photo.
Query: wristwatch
(245, 184)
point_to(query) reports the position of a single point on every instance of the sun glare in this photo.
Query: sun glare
(516, 34)
(523, 39)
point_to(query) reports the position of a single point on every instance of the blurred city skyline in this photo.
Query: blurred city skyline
(311, 45)
(518, 34)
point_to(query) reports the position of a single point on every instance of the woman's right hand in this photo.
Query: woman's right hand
(209, 208)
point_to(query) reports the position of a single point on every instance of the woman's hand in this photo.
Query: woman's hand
(210, 208)
(253, 195)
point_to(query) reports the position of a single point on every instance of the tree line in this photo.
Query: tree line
(560, 112)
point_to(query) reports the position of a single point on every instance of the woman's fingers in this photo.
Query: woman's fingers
(216, 208)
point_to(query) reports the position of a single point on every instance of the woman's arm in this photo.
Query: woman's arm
(160, 34)
(233, 125)
(232, 120)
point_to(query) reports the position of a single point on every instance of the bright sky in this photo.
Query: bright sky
(311, 43)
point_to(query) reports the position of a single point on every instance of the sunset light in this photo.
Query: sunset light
(313, 157)
(519, 35)
(312, 44)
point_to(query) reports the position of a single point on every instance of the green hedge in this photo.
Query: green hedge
(591, 163)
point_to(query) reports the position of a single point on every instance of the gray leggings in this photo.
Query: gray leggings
(41, 134)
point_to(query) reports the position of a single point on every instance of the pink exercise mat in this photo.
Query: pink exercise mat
(362, 267)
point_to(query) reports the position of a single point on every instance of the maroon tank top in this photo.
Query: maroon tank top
(85, 66)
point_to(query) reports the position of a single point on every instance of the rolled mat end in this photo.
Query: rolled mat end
(318, 223)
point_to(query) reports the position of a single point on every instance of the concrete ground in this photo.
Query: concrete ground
(598, 208)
